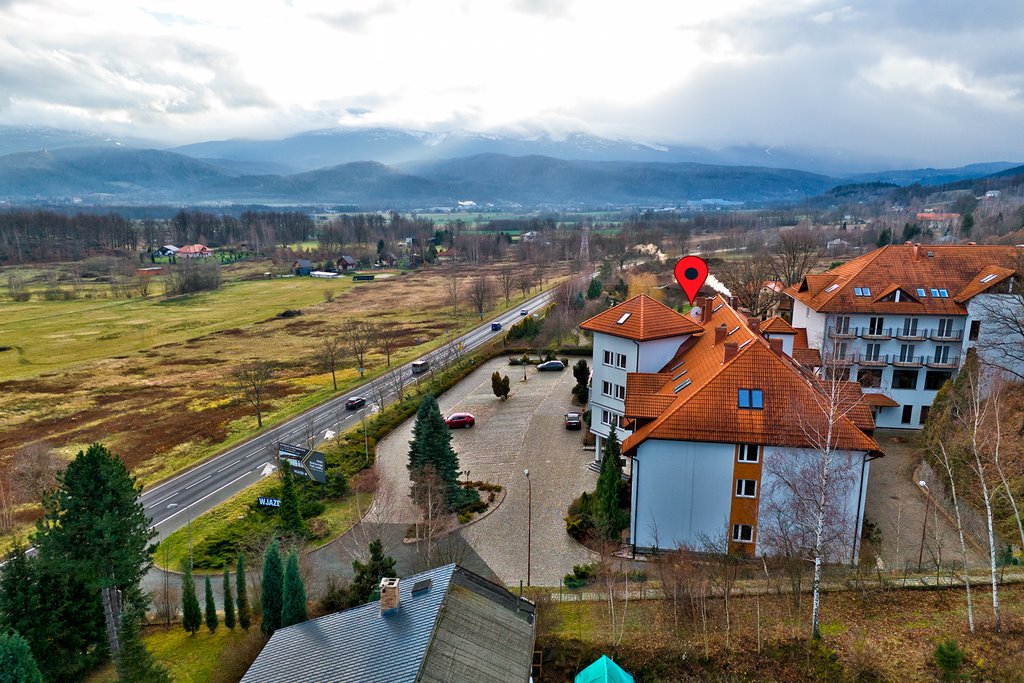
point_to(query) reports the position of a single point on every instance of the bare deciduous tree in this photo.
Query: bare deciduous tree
(358, 339)
(252, 379)
(6, 503)
(388, 335)
(329, 355)
(34, 470)
(747, 280)
(795, 254)
(452, 289)
(507, 278)
(481, 291)
(524, 282)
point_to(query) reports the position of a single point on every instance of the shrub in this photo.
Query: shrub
(465, 516)
(581, 575)
(949, 657)
(318, 528)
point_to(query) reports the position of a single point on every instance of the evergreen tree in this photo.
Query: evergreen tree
(506, 387)
(95, 527)
(432, 445)
(608, 516)
(594, 289)
(496, 383)
(211, 609)
(365, 585)
(293, 606)
(191, 617)
(270, 595)
(242, 593)
(288, 513)
(136, 664)
(229, 604)
(16, 662)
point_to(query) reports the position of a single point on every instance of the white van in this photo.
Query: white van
(420, 366)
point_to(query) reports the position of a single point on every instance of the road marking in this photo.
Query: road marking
(268, 469)
(167, 498)
(198, 482)
(229, 465)
(201, 499)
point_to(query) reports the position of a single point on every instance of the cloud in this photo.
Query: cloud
(357, 21)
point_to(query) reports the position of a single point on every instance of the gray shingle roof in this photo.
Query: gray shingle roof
(461, 628)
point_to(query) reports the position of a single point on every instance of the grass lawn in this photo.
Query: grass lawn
(189, 658)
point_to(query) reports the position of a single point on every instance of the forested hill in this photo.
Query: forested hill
(109, 175)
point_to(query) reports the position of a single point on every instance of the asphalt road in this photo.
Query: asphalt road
(172, 503)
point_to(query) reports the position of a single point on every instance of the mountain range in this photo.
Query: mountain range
(390, 168)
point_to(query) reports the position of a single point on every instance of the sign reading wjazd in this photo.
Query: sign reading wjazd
(265, 502)
(305, 463)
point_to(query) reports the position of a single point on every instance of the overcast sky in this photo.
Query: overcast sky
(936, 81)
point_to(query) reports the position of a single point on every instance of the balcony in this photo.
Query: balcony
(842, 332)
(909, 361)
(876, 361)
(866, 333)
(951, 361)
(946, 335)
(910, 335)
(841, 360)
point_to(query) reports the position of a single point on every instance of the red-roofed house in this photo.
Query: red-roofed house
(903, 317)
(194, 251)
(710, 412)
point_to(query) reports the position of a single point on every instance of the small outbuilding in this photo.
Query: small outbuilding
(302, 267)
(604, 670)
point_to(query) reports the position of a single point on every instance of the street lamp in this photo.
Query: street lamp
(366, 440)
(529, 523)
(927, 507)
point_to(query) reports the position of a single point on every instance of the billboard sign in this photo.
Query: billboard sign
(265, 502)
(305, 463)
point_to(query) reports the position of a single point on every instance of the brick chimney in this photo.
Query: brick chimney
(706, 309)
(388, 595)
(720, 333)
(917, 251)
(776, 345)
(731, 349)
(754, 323)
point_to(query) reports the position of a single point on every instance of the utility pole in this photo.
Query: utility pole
(927, 508)
(529, 523)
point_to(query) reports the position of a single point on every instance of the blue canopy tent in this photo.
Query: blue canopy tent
(604, 670)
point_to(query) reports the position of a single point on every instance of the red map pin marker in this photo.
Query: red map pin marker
(691, 272)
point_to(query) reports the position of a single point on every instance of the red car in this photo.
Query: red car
(460, 420)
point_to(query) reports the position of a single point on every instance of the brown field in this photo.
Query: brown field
(164, 400)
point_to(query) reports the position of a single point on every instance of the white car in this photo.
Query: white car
(524, 311)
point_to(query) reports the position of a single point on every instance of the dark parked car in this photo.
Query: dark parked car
(460, 420)
(573, 421)
(355, 402)
(551, 365)
(495, 326)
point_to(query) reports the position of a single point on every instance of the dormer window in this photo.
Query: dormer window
(862, 291)
(750, 399)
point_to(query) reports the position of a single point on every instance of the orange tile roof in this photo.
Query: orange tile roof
(706, 408)
(949, 267)
(776, 325)
(645, 319)
(875, 398)
(976, 286)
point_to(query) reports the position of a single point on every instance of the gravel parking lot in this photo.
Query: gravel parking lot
(525, 432)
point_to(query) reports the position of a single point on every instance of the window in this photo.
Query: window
(620, 360)
(975, 330)
(611, 419)
(904, 379)
(873, 352)
(988, 278)
(620, 392)
(624, 318)
(875, 326)
(748, 452)
(920, 291)
(934, 379)
(743, 533)
(831, 288)
(906, 353)
(870, 378)
(862, 291)
(908, 412)
(942, 354)
(945, 327)
(843, 324)
(606, 388)
(924, 415)
(935, 292)
(746, 488)
(609, 358)
(751, 398)
(943, 293)
(910, 327)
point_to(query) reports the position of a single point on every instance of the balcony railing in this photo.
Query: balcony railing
(873, 361)
(909, 361)
(946, 335)
(950, 361)
(910, 335)
(866, 333)
(842, 332)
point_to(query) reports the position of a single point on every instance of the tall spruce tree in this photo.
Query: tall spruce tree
(242, 593)
(229, 604)
(191, 616)
(366, 583)
(289, 514)
(95, 529)
(136, 664)
(608, 516)
(293, 606)
(271, 592)
(17, 665)
(211, 609)
(432, 445)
